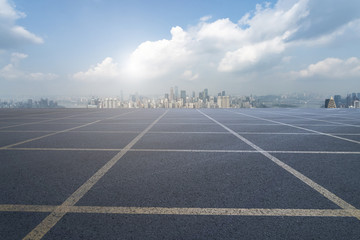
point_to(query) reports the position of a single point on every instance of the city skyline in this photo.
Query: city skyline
(103, 47)
(190, 99)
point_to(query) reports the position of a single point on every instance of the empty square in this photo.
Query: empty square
(46, 177)
(201, 180)
(83, 140)
(301, 142)
(339, 173)
(191, 141)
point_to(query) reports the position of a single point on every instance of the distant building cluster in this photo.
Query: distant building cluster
(175, 99)
(30, 103)
(351, 101)
(182, 99)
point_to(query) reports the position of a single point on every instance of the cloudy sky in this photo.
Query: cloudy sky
(100, 47)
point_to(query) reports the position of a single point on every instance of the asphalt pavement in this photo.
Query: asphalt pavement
(180, 174)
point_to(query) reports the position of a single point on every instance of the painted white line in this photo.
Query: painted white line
(64, 149)
(323, 191)
(184, 211)
(171, 132)
(26, 131)
(26, 208)
(181, 123)
(306, 129)
(44, 121)
(337, 115)
(314, 119)
(277, 133)
(176, 150)
(165, 132)
(40, 230)
(54, 133)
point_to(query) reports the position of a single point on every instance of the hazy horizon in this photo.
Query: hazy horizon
(100, 47)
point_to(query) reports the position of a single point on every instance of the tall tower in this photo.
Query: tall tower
(330, 103)
(171, 94)
(183, 96)
(176, 93)
(206, 94)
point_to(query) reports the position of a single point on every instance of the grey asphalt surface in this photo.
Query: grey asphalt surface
(185, 160)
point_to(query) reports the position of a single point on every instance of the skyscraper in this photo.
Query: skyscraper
(337, 99)
(206, 95)
(183, 96)
(176, 93)
(171, 94)
(330, 103)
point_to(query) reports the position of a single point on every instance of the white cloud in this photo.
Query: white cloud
(221, 52)
(17, 57)
(106, 70)
(205, 18)
(154, 59)
(12, 71)
(189, 75)
(231, 46)
(8, 12)
(250, 55)
(13, 35)
(332, 68)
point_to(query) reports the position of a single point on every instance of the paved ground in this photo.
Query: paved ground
(180, 174)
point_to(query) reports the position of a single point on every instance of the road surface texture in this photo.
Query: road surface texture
(180, 174)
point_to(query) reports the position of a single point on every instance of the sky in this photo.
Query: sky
(103, 47)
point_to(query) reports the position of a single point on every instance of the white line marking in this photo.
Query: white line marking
(174, 150)
(39, 231)
(54, 133)
(185, 211)
(165, 132)
(44, 121)
(64, 149)
(314, 119)
(323, 191)
(306, 129)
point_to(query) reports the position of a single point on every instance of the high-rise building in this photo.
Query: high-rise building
(201, 94)
(171, 94)
(219, 101)
(348, 101)
(223, 93)
(337, 99)
(183, 96)
(206, 95)
(225, 102)
(356, 104)
(176, 93)
(330, 103)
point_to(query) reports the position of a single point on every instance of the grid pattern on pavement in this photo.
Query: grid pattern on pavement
(87, 173)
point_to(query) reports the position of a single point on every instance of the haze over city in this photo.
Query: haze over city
(244, 47)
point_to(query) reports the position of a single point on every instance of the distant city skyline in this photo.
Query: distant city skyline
(248, 47)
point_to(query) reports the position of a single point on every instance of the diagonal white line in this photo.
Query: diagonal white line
(323, 191)
(45, 121)
(39, 231)
(57, 132)
(306, 129)
(314, 119)
(175, 150)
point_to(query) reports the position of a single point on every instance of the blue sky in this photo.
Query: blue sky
(100, 47)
